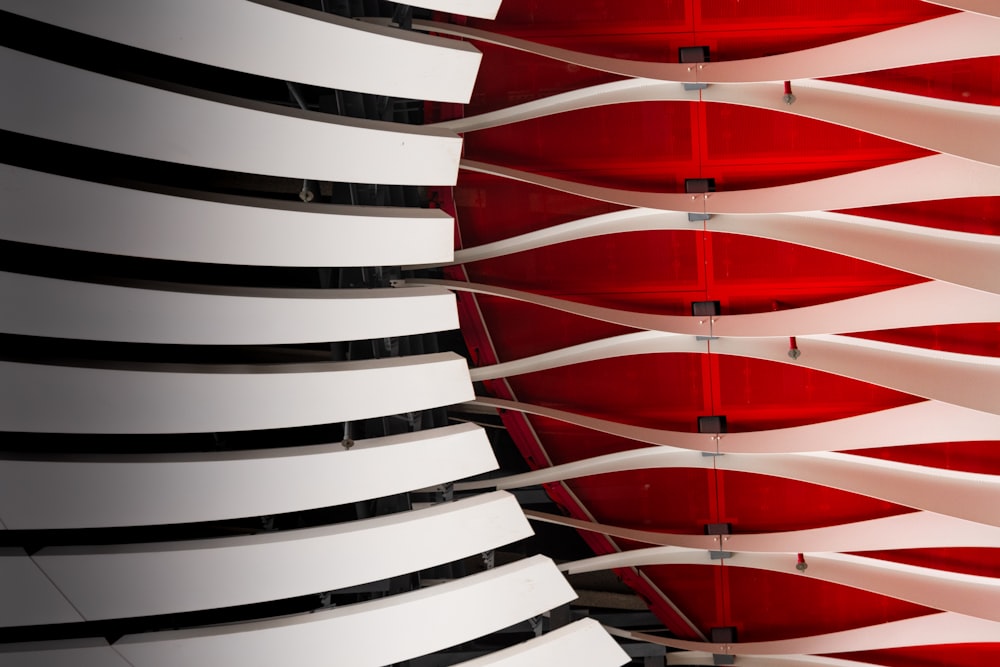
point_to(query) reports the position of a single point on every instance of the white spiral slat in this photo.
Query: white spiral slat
(367, 634)
(141, 489)
(217, 132)
(149, 398)
(121, 221)
(170, 313)
(119, 581)
(277, 40)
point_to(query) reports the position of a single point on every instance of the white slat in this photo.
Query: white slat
(220, 133)
(119, 581)
(277, 40)
(368, 634)
(143, 489)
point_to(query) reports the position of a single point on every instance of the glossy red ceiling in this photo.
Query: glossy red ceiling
(654, 147)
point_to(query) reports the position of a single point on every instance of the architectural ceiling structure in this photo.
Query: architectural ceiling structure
(725, 272)
(832, 293)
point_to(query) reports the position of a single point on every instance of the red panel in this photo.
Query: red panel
(651, 30)
(978, 457)
(659, 391)
(606, 269)
(975, 215)
(982, 339)
(976, 80)
(508, 77)
(532, 329)
(655, 146)
(759, 504)
(649, 146)
(981, 562)
(490, 208)
(654, 501)
(770, 606)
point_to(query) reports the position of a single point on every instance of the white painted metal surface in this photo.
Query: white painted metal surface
(965, 380)
(956, 257)
(922, 179)
(972, 595)
(929, 630)
(953, 37)
(985, 7)
(943, 255)
(963, 495)
(914, 424)
(277, 40)
(702, 658)
(222, 133)
(580, 644)
(920, 121)
(119, 581)
(29, 597)
(170, 313)
(368, 634)
(224, 230)
(142, 489)
(912, 530)
(63, 653)
(922, 304)
(173, 398)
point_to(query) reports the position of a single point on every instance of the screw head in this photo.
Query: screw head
(795, 353)
(788, 98)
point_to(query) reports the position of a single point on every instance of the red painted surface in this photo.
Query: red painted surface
(655, 146)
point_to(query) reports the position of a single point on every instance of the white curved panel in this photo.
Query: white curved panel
(702, 658)
(277, 40)
(615, 222)
(29, 597)
(929, 630)
(963, 495)
(121, 221)
(919, 121)
(914, 530)
(922, 179)
(960, 379)
(955, 257)
(63, 653)
(581, 644)
(970, 131)
(202, 315)
(922, 304)
(669, 324)
(141, 489)
(947, 591)
(914, 424)
(119, 581)
(605, 94)
(125, 117)
(953, 37)
(641, 342)
(368, 634)
(964, 380)
(985, 7)
(144, 398)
